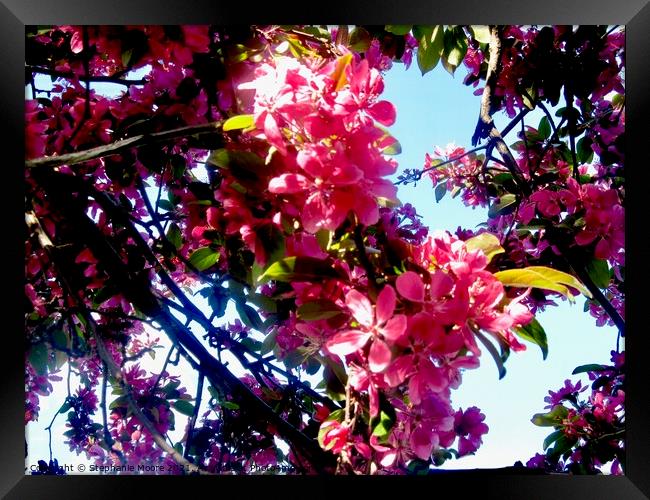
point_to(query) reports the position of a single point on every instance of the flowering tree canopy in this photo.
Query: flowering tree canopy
(251, 166)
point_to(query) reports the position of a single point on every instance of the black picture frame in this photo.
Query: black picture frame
(16, 14)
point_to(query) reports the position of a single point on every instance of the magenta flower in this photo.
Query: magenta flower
(336, 435)
(469, 427)
(379, 325)
(556, 398)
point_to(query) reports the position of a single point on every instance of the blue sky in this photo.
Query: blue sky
(435, 110)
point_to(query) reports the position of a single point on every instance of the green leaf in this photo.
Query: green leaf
(493, 352)
(382, 425)
(245, 166)
(486, 242)
(204, 258)
(552, 418)
(312, 366)
(317, 31)
(229, 405)
(249, 316)
(481, 33)
(583, 150)
(544, 128)
(534, 332)
(269, 342)
(419, 467)
(214, 393)
(459, 48)
(440, 191)
(127, 55)
(592, 367)
(174, 235)
(273, 242)
(359, 39)
(430, 46)
(324, 237)
(502, 178)
(505, 206)
(184, 407)
(529, 97)
(65, 406)
(318, 309)
(563, 444)
(552, 437)
(59, 339)
(238, 122)
(38, 356)
(120, 402)
(299, 269)
(598, 271)
(542, 277)
(399, 29)
(293, 359)
(166, 205)
(170, 389)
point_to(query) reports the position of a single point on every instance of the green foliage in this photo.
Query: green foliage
(598, 271)
(174, 235)
(184, 407)
(299, 269)
(488, 243)
(481, 33)
(318, 309)
(592, 367)
(534, 332)
(382, 424)
(430, 46)
(505, 206)
(38, 356)
(551, 418)
(399, 29)
(542, 277)
(204, 258)
(238, 122)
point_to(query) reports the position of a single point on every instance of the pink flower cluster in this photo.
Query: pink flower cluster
(592, 429)
(321, 119)
(415, 341)
(604, 215)
(463, 174)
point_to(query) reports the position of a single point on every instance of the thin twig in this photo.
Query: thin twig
(195, 414)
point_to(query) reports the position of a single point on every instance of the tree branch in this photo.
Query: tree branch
(122, 145)
(71, 76)
(139, 293)
(485, 127)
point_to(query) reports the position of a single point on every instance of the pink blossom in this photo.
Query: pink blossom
(335, 437)
(378, 324)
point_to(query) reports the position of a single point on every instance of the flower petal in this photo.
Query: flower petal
(395, 329)
(347, 342)
(361, 308)
(383, 112)
(288, 184)
(410, 286)
(379, 356)
(441, 284)
(398, 370)
(423, 441)
(386, 301)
